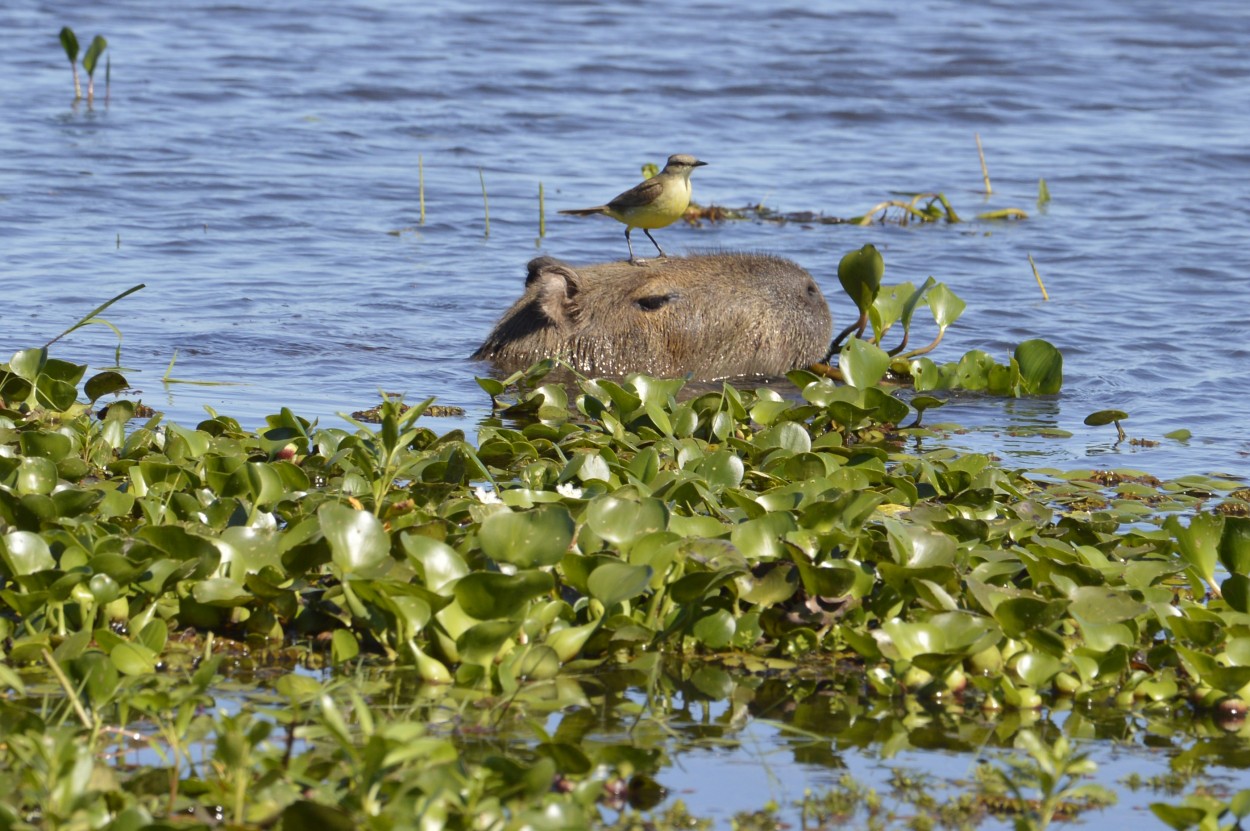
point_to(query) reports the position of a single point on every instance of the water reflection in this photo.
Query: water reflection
(698, 731)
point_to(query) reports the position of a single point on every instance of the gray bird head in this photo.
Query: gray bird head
(680, 162)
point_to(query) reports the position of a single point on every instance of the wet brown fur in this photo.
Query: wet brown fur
(707, 316)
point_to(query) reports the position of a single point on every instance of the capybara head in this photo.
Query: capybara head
(708, 316)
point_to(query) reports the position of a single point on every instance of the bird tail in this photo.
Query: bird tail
(586, 211)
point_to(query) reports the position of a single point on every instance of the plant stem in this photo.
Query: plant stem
(69, 689)
(1040, 285)
(985, 171)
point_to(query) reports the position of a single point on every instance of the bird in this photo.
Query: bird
(655, 203)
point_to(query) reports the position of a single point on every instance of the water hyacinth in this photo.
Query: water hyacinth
(595, 523)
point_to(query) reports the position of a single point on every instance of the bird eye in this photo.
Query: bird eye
(655, 301)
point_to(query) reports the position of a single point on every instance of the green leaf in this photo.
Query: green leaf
(947, 633)
(69, 42)
(945, 305)
(915, 546)
(722, 469)
(440, 563)
(528, 539)
(1235, 545)
(909, 307)
(621, 521)
(488, 595)
(97, 47)
(715, 630)
(492, 386)
(1236, 592)
(863, 364)
(103, 383)
(359, 545)
(25, 553)
(343, 646)
(306, 813)
(787, 435)
(1179, 817)
(480, 644)
(1020, 615)
(1198, 544)
(133, 659)
(1037, 668)
(1240, 804)
(1041, 367)
(1209, 671)
(761, 538)
(887, 307)
(1098, 605)
(860, 274)
(28, 363)
(567, 643)
(37, 475)
(1102, 417)
(613, 583)
(46, 445)
(220, 591)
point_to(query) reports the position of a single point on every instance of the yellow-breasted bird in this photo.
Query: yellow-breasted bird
(658, 202)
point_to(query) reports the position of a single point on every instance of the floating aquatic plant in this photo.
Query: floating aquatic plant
(626, 524)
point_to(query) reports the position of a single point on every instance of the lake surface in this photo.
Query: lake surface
(257, 168)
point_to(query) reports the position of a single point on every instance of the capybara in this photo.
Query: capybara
(707, 316)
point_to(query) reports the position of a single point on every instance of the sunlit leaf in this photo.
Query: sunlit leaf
(359, 544)
(613, 583)
(945, 305)
(863, 364)
(25, 553)
(527, 538)
(621, 521)
(1198, 543)
(440, 563)
(133, 659)
(860, 274)
(1041, 367)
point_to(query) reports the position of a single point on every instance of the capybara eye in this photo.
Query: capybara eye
(655, 301)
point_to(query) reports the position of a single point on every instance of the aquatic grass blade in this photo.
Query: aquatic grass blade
(90, 316)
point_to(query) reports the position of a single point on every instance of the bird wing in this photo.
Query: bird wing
(639, 195)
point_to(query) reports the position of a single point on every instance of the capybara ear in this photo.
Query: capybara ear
(556, 286)
(536, 266)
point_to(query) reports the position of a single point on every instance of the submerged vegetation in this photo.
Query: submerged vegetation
(789, 547)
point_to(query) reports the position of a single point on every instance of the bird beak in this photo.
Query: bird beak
(699, 163)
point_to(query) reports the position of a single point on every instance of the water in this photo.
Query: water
(253, 162)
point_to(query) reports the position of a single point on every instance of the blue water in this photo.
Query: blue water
(256, 166)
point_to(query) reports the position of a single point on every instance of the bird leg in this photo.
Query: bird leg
(632, 259)
(663, 256)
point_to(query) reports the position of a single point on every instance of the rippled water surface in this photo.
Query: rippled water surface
(254, 163)
(252, 166)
